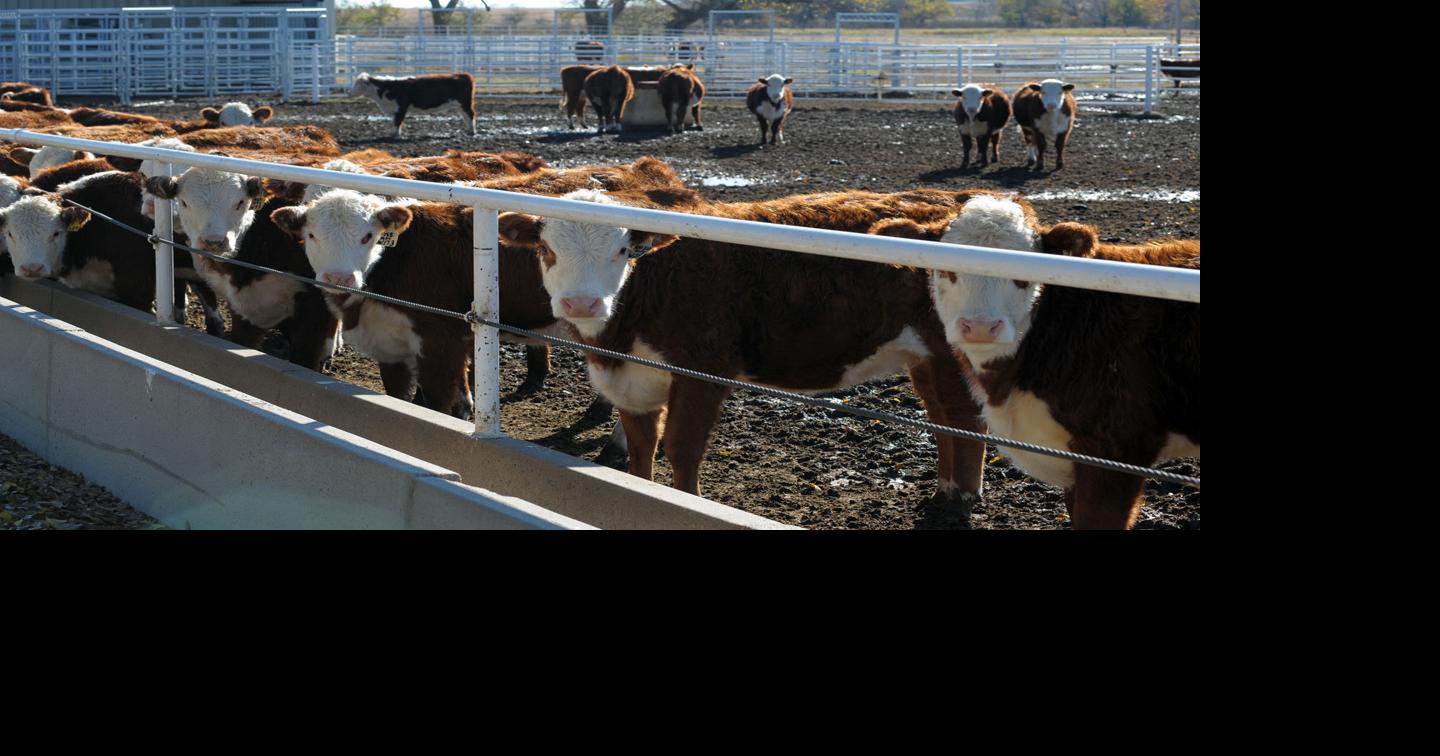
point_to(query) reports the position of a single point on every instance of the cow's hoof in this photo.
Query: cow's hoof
(613, 456)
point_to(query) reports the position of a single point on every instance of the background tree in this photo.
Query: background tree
(1025, 13)
(595, 22)
(1129, 13)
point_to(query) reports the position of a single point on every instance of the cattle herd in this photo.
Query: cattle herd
(1102, 374)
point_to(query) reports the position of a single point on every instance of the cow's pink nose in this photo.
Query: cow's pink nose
(341, 279)
(980, 331)
(31, 270)
(580, 307)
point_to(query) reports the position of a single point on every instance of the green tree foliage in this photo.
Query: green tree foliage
(1129, 13)
(1025, 13)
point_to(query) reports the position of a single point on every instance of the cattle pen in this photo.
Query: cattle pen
(1118, 277)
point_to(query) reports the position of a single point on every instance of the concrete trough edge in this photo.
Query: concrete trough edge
(155, 435)
(568, 486)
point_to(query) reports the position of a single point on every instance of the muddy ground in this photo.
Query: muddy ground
(1135, 178)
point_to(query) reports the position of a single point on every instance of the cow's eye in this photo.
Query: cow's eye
(623, 251)
(54, 235)
(183, 203)
(240, 205)
(367, 238)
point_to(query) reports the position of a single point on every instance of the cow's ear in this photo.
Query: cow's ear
(254, 187)
(906, 228)
(762, 80)
(210, 114)
(290, 219)
(643, 242)
(956, 92)
(164, 187)
(74, 218)
(1070, 239)
(395, 218)
(263, 113)
(23, 155)
(1033, 87)
(986, 92)
(1068, 87)
(129, 165)
(787, 81)
(519, 229)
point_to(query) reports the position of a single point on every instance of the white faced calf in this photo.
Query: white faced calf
(1045, 111)
(771, 100)
(237, 114)
(35, 230)
(214, 206)
(47, 157)
(342, 231)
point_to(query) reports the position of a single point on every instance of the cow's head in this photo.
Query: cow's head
(342, 231)
(583, 264)
(972, 96)
(46, 157)
(364, 85)
(237, 114)
(775, 86)
(987, 317)
(10, 193)
(36, 229)
(214, 206)
(1052, 92)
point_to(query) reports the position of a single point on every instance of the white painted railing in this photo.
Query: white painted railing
(1125, 278)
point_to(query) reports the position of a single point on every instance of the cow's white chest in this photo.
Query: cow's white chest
(974, 127)
(384, 334)
(631, 387)
(892, 357)
(1053, 123)
(95, 275)
(267, 301)
(1026, 417)
(771, 112)
(211, 275)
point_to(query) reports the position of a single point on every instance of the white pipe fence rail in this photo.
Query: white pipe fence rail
(1126, 278)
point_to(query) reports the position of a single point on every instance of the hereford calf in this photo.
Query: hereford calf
(129, 133)
(981, 114)
(771, 100)
(456, 165)
(1045, 111)
(430, 262)
(680, 88)
(395, 96)
(795, 321)
(51, 179)
(281, 140)
(48, 237)
(39, 160)
(26, 93)
(572, 87)
(101, 117)
(237, 114)
(610, 89)
(1108, 375)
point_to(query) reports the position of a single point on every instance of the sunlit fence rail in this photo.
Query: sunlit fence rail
(1126, 278)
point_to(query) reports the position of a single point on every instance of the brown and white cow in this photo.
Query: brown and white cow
(237, 114)
(396, 96)
(771, 101)
(49, 238)
(1109, 375)
(609, 89)
(129, 133)
(102, 117)
(51, 179)
(35, 119)
(456, 165)
(1045, 111)
(801, 322)
(572, 87)
(41, 159)
(282, 140)
(25, 92)
(681, 88)
(981, 113)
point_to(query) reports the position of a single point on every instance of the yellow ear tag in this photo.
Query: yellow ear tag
(388, 239)
(74, 226)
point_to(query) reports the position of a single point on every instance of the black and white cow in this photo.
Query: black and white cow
(396, 96)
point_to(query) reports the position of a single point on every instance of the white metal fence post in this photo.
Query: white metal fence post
(164, 256)
(487, 305)
(1149, 75)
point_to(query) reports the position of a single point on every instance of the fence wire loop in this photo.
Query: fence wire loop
(825, 403)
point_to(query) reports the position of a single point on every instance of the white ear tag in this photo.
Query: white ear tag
(388, 239)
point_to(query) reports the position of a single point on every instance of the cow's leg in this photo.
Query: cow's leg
(777, 130)
(537, 367)
(1039, 151)
(995, 145)
(245, 333)
(1029, 136)
(1104, 499)
(312, 338)
(214, 323)
(444, 373)
(1060, 149)
(764, 127)
(965, 142)
(940, 384)
(400, 111)
(642, 436)
(399, 380)
(695, 111)
(694, 411)
(469, 109)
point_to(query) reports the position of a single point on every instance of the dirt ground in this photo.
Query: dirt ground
(1134, 177)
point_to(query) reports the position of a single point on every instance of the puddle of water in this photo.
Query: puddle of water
(1111, 195)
